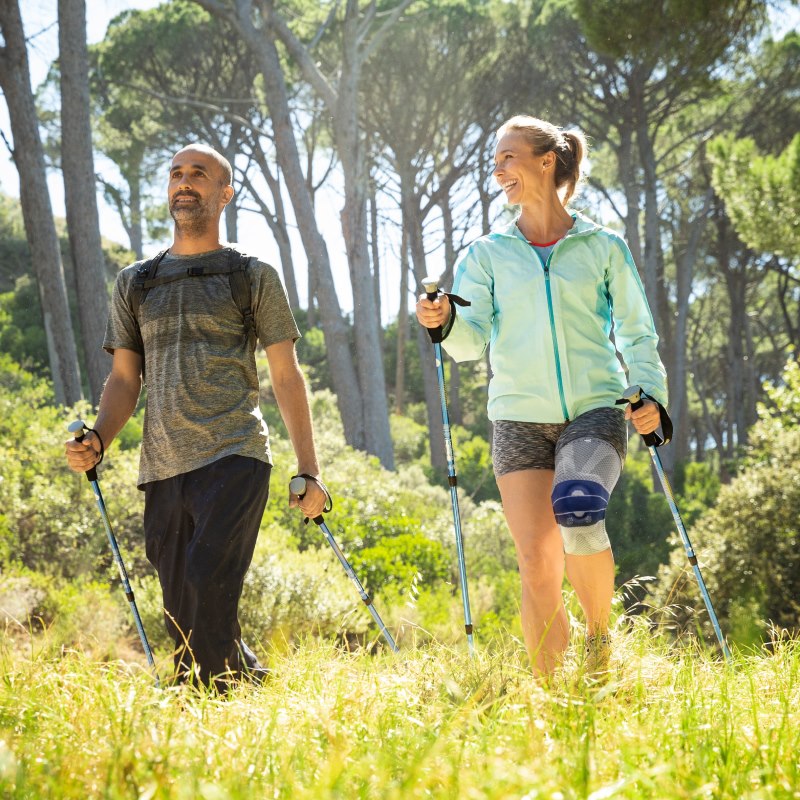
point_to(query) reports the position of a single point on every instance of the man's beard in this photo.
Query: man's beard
(192, 221)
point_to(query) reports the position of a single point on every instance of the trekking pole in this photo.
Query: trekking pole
(78, 429)
(431, 286)
(633, 395)
(297, 485)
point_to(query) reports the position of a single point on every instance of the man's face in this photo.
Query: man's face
(197, 191)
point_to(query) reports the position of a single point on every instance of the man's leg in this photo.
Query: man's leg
(227, 500)
(201, 529)
(168, 529)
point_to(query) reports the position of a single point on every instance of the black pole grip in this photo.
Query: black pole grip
(431, 286)
(635, 400)
(78, 430)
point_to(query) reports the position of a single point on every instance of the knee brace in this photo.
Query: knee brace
(586, 472)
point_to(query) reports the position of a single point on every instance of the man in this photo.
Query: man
(205, 459)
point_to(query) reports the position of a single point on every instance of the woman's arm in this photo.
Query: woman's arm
(634, 330)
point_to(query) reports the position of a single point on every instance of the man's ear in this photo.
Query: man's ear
(227, 194)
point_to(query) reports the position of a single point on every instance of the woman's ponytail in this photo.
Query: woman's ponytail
(568, 162)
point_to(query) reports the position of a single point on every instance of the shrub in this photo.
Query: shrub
(51, 614)
(748, 543)
(50, 522)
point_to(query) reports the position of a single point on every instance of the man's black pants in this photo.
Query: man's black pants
(200, 532)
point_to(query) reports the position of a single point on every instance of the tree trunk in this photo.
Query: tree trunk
(277, 226)
(374, 243)
(679, 411)
(80, 191)
(37, 212)
(232, 221)
(402, 330)
(343, 373)
(277, 222)
(454, 384)
(136, 226)
(365, 320)
(627, 175)
(652, 243)
(412, 224)
(351, 149)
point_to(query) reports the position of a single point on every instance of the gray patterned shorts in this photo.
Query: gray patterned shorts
(533, 445)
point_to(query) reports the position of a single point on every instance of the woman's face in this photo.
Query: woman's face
(523, 176)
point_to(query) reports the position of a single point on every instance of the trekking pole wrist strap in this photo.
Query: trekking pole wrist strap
(654, 439)
(440, 334)
(658, 440)
(328, 499)
(102, 446)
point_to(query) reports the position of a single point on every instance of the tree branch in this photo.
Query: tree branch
(380, 35)
(604, 191)
(324, 26)
(302, 56)
(7, 143)
(192, 103)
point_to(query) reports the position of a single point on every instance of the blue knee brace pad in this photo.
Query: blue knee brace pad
(579, 502)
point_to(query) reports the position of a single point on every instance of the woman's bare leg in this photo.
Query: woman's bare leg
(540, 555)
(592, 577)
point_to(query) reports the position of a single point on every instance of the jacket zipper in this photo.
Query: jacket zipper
(560, 380)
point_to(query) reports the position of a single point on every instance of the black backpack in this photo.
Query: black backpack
(236, 270)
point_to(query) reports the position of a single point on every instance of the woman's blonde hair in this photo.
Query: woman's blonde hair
(569, 146)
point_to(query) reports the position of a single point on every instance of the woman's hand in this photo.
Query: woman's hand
(646, 418)
(433, 313)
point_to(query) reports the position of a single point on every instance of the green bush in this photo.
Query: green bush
(747, 544)
(410, 440)
(50, 615)
(289, 594)
(401, 559)
(22, 334)
(50, 522)
(638, 519)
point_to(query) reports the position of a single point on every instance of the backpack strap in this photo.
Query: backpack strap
(145, 272)
(242, 293)
(235, 268)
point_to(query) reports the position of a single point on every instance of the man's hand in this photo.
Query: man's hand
(117, 403)
(83, 455)
(646, 418)
(312, 502)
(433, 313)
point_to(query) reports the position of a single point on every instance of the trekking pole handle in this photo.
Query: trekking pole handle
(431, 286)
(633, 395)
(297, 485)
(78, 430)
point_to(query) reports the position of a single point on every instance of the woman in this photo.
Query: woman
(545, 294)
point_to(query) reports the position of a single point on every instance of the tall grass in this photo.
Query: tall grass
(428, 722)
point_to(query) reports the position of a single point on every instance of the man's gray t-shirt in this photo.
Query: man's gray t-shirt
(200, 370)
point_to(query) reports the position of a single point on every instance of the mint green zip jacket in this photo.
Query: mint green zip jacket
(548, 325)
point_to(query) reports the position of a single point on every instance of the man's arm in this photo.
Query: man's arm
(117, 403)
(289, 387)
